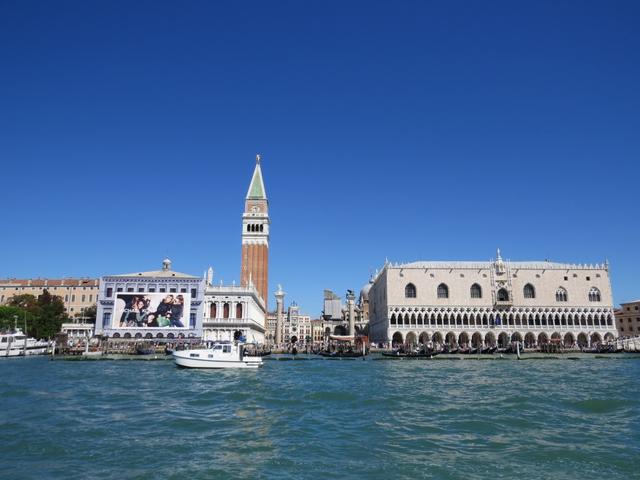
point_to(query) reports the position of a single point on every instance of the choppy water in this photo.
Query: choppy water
(321, 419)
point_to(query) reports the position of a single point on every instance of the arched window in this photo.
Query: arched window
(261, 228)
(503, 295)
(410, 291)
(213, 311)
(443, 291)
(248, 227)
(238, 310)
(594, 295)
(561, 295)
(529, 291)
(476, 291)
(225, 310)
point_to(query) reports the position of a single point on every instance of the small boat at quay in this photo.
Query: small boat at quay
(17, 344)
(220, 355)
(339, 354)
(419, 354)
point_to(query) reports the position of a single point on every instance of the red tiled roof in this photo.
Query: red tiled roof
(50, 282)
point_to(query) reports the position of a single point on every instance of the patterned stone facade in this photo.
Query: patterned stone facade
(491, 303)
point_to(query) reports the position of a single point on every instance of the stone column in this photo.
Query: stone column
(279, 314)
(351, 306)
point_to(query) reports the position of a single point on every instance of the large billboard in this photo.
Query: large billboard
(152, 310)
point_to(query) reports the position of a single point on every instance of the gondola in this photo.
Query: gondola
(489, 350)
(144, 350)
(349, 354)
(468, 351)
(423, 354)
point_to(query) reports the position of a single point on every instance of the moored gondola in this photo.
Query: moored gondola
(347, 354)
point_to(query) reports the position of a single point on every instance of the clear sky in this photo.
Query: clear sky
(426, 130)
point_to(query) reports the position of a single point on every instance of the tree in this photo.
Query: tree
(26, 301)
(44, 315)
(88, 315)
(10, 315)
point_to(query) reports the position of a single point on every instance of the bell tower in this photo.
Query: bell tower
(255, 235)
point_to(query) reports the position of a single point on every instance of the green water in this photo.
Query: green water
(321, 419)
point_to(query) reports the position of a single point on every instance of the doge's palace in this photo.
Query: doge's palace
(491, 303)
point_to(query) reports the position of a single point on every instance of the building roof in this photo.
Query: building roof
(156, 274)
(166, 272)
(50, 282)
(514, 265)
(256, 188)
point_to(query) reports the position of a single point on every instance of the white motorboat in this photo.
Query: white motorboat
(17, 344)
(221, 355)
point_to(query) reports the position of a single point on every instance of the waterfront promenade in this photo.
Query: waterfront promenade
(295, 419)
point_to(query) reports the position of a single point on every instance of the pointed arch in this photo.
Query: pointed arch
(410, 291)
(475, 291)
(529, 291)
(443, 291)
(561, 295)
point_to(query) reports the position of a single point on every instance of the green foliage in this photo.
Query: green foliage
(88, 315)
(25, 301)
(11, 316)
(44, 315)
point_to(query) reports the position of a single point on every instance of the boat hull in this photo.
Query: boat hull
(185, 359)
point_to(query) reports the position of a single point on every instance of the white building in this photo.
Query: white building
(232, 310)
(157, 304)
(297, 326)
(488, 303)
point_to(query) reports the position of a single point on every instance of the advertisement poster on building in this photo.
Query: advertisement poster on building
(152, 310)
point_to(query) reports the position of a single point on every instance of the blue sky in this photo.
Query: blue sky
(406, 130)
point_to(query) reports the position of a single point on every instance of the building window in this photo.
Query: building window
(91, 298)
(476, 291)
(73, 299)
(172, 290)
(183, 290)
(239, 310)
(106, 318)
(84, 298)
(561, 295)
(225, 311)
(410, 291)
(140, 289)
(129, 289)
(503, 295)
(443, 291)
(109, 292)
(162, 289)
(119, 289)
(213, 311)
(566, 279)
(588, 279)
(66, 298)
(594, 295)
(192, 320)
(152, 289)
(193, 293)
(529, 291)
